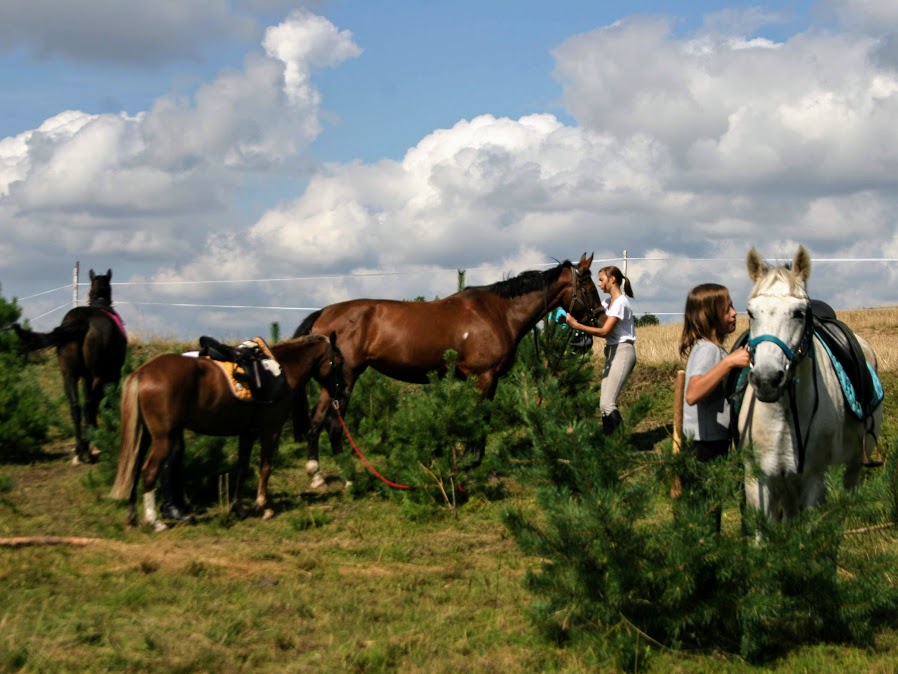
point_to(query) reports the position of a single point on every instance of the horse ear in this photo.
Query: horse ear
(755, 265)
(109, 274)
(801, 265)
(334, 339)
(585, 263)
(92, 275)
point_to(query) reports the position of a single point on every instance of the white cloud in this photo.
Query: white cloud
(175, 169)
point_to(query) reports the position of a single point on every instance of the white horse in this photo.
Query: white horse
(793, 415)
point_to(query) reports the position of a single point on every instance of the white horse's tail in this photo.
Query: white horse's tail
(132, 435)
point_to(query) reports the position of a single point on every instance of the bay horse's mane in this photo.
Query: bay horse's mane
(524, 283)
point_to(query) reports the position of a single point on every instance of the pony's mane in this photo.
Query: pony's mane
(525, 282)
(780, 275)
(296, 342)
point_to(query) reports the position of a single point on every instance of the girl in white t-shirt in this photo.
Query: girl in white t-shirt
(619, 333)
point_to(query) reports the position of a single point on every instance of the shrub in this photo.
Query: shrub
(619, 573)
(24, 410)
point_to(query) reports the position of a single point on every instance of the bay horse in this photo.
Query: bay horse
(406, 340)
(91, 344)
(794, 415)
(171, 393)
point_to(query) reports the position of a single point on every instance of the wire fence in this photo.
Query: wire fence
(623, 261)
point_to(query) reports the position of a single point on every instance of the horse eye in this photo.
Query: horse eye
(798, 313)
(751, 316)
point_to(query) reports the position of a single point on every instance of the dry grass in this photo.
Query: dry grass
(659, 344)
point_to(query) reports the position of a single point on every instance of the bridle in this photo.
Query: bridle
(805, 347)
(592, 313)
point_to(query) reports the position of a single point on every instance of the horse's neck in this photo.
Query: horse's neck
(528, 309)
(297, 360)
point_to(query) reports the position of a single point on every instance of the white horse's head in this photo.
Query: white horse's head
(779, 316)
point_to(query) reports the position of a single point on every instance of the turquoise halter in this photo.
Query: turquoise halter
(753, 343)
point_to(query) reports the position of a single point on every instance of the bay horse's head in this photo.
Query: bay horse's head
(780, 322)
(582, 298)
(100, 289)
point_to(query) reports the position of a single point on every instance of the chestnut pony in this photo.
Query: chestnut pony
(407, 340)
(172, 392)
(90, 344)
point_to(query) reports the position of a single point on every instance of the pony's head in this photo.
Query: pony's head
(583, 297)
(331, 373)
(100, 289)
(780, 328)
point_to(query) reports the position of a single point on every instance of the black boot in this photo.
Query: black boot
(174, 507)
(611, 422)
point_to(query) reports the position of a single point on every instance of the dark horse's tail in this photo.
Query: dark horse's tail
(305, 327)
(70, 331)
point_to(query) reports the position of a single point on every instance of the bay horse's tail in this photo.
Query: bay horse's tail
(132, 435)
(306, 326)
(70, 331)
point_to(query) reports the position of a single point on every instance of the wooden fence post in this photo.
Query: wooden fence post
(676, 487)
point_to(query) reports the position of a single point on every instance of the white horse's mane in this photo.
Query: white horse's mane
(779, 276)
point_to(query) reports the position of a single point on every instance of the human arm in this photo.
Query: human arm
(700, 386)
(604, 331)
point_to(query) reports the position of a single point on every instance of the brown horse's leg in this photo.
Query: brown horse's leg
(244, 450)
(159, 451)
(269, 444)
(174, 506)
(313, 468)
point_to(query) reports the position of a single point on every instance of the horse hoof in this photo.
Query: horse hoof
(159, 526)
(318, 481)
(267, 514)
(312, 467)
(75, 460)
(348, 485)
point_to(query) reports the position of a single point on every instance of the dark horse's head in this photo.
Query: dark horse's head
(100, 289)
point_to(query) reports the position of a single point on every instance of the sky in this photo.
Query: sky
(243, 162)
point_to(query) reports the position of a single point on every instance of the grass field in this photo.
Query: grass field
(332, 583)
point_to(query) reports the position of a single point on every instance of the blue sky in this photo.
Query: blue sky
(190, 145)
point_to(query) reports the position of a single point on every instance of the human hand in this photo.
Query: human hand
(570, 320)
(739, 358)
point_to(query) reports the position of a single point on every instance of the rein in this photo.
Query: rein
(575, 275)
(361, 456)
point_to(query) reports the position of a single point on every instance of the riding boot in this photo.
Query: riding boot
(174, 507)
(611, 422)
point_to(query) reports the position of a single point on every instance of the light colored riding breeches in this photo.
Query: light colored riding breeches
(619, 362)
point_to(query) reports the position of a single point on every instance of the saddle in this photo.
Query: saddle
(252, 371)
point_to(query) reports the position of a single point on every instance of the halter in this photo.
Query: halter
(805, 348)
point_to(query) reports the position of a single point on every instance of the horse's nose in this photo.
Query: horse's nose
(767, 383)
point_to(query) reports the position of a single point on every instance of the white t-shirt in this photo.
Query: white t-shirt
(624, 330)
(709, 418)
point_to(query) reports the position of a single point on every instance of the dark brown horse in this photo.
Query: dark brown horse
(90, 344)
(407, 340)
(172, 392)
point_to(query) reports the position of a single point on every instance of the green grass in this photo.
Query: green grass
(331, 584)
